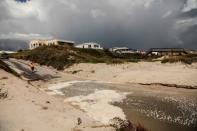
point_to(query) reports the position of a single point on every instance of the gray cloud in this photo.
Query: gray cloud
(192, 14)
(133, 23)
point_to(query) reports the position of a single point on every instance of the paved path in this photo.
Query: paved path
(23, 69)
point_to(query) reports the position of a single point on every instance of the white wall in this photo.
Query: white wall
(89, 45)
(36, 43)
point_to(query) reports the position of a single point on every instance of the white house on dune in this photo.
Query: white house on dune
(37, 43)
(122, 50)
(90, 45)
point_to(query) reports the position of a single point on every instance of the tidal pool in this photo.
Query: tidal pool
(157, 111)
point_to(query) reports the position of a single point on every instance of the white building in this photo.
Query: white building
(7, 52)
(122, 50)
(37, 43)
(90, 45)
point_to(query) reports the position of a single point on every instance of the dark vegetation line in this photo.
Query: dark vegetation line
(187, 59)
(170, 85)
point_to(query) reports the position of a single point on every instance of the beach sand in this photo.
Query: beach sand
(27, 108)
(142, 72)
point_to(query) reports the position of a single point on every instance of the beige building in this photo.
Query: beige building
(37, 43)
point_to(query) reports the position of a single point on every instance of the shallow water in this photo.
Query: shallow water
(156, 112)
(160, 114)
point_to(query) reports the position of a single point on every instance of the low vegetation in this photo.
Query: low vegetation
(125, 125)
(61, 57)
(188, 59)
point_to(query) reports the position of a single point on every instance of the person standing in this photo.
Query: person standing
(32, 67)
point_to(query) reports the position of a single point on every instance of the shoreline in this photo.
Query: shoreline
(144, 73)
(28, 107)
(169, 85)
(36, 103)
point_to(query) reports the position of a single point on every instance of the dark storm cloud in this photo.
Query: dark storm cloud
(192, 13)
(189, 36)
(133, 23)
(23, 1)
(4, 12)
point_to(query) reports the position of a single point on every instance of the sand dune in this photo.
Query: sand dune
(142, 72)
(27, 108)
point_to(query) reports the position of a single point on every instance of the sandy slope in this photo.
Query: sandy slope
(29, 109)
(143, 72)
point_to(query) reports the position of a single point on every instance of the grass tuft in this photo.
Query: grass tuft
(175, 59)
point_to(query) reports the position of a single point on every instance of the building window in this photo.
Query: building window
(89, 46)
(96, 46)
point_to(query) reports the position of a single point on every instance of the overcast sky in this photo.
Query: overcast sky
(137, 24)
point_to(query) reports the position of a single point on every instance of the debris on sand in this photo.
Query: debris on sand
(3, 78)
(3, 93)
(44, 108)
(79, 121)
(125, 125)
(48, 102)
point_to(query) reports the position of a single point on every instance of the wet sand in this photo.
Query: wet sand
(157, 108)
(28, 108)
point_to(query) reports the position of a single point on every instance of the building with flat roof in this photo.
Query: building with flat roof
(90, 45)
(37, 43)
(166, 51)
(122, 50)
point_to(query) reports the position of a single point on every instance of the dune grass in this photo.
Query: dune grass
(61, 57)
(184, 59)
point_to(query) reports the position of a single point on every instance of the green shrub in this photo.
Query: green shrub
(165, 61)
(115, 61)
(60, 57)
(134, 60)
(175, 59)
